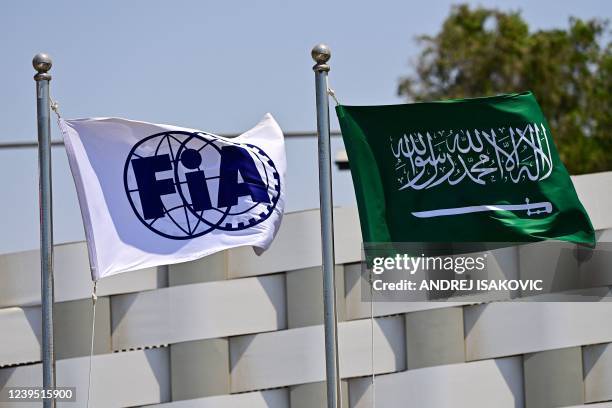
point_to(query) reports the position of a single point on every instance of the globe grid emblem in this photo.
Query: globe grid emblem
(179, 155)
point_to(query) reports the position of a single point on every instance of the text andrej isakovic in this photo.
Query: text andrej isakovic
(182, 185)
(460, 265)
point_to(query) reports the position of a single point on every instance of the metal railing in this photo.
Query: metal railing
(54, 143)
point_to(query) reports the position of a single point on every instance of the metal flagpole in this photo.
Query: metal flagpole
(42, 64)
(321, 54)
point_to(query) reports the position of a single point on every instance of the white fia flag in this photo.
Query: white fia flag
(157, 194)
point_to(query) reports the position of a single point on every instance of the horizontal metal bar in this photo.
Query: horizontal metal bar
(33, 144)
(27, 145)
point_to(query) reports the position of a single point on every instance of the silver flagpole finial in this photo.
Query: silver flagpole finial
(42, 63)
(321, 54)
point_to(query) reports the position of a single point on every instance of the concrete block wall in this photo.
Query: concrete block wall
(237, 330)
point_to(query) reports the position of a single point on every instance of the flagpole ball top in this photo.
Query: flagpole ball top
(42, 62)
(321, 53)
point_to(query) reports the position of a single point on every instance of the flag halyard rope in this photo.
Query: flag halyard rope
(372, 338)
(55, 107)
(332, 93)
(94, 298)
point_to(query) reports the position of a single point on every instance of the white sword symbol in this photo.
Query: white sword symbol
(531, 208)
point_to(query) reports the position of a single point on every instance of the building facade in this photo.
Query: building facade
(237, 330)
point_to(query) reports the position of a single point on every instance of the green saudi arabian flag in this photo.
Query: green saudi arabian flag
(465, 170)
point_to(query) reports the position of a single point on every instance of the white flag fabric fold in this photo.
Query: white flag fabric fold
(155, 194)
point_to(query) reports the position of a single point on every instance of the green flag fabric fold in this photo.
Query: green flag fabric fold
(463, 170)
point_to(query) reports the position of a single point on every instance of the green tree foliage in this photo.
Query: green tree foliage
(486, 51)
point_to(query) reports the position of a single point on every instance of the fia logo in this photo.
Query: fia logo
(183, 185)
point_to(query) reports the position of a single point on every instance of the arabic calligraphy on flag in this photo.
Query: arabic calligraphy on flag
(463, 170)
(505, 154)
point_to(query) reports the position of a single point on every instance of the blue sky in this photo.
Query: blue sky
(216, 66)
